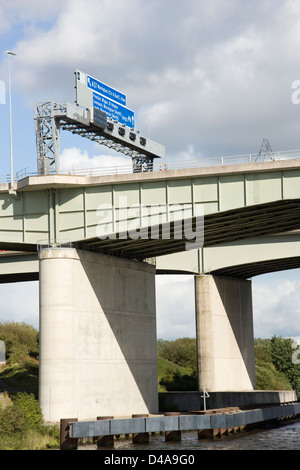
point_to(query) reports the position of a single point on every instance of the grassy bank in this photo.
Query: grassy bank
(22, 426)
(21, 422)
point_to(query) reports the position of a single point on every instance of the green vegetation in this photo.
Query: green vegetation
(22, 427)
(21, 423)
(21, 341)
(274, 367)
(174, 377)
(182, 351)
(267, 376)
(177, 365)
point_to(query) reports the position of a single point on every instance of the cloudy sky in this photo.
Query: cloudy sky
(204, 78)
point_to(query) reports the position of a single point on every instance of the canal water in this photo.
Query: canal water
(284, 437)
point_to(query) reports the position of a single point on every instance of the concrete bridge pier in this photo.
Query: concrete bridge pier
(225, 340)
(97, 336)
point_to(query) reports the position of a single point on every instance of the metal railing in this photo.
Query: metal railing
(47, 244)
(161, 165)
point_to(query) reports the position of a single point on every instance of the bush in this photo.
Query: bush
(268, 378)
(22, 428)
(14, 333)
(179, 382)
(19, 338)
(182, 351)
(28, 405)
(17, 431)
(269, 374)
(12, 421)
(18, 354)
(282, 352)
(21, 424)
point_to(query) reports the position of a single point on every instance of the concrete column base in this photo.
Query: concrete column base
(224, 334)
(97, 336)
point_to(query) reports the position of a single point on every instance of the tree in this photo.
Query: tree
(19, 337)
(267, 376)
(282, 350)
(182, 351)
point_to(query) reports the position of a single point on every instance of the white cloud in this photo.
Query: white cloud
(20, 303)
(175, 307)
(195, 70)
(75, 158)
(14, 12)
(276, 307)
(204, 78)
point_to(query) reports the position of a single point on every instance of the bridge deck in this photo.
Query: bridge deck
(257, 201)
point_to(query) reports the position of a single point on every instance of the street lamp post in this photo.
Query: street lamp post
(10, 121)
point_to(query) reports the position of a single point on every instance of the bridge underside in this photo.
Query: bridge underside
(18, 266)
(240, 243)
(219, 228)
(247, 271)
(241, 204)
(243, 271)
(19, 277)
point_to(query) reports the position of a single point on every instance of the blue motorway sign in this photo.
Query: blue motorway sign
(114, 110)
(106, 90)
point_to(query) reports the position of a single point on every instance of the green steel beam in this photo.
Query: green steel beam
(240, 202)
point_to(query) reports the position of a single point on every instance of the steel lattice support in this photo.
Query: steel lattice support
(47, 129)
(50, 117)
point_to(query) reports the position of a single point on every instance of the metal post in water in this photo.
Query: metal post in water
(204, 396)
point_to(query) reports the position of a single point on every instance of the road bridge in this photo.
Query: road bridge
(63, 228)
(241, 204)
(238, 202)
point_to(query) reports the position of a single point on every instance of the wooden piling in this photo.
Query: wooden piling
(105, 441)
(172, 435)
(141, 437)
(67, 442)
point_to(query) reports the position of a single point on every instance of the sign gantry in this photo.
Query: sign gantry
(99, 115)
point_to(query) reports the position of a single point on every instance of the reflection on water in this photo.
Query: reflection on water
(285, 437)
